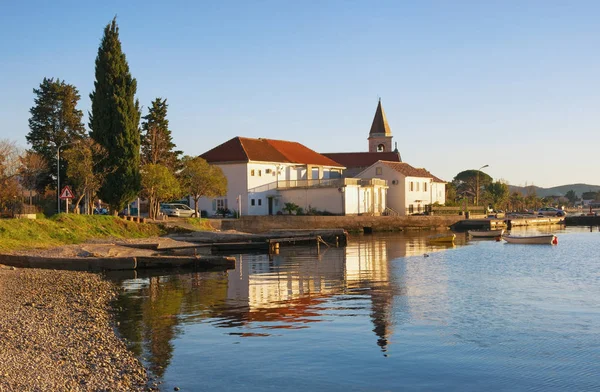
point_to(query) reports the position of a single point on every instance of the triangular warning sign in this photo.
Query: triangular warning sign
(66, 193)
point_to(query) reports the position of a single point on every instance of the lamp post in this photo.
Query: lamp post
(58, 147)
(477, 191)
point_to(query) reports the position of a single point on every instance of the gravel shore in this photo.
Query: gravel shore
(56, 334)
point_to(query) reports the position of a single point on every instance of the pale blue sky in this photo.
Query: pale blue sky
(512, 84)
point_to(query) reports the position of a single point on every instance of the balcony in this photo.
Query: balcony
(322, 183)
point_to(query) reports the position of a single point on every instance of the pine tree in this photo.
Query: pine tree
(157, 143)
(55, 122)
(114, 122)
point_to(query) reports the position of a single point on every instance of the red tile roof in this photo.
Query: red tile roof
(408, 170)
(242, 149)
(362, 159)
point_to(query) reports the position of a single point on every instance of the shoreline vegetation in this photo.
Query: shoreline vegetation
(57, 329)
(68, 229)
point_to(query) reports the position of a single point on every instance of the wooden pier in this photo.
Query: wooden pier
(220, 243)
(506, 223)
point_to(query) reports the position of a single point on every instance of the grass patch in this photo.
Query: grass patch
(202, 224)
(65, 229)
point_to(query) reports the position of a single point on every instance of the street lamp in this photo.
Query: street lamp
(58, 147)
(477, 197)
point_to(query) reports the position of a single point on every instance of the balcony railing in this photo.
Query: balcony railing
(322, 183)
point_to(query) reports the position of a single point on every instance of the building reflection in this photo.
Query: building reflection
(293, 290)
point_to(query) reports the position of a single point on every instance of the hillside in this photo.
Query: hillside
(560, 190)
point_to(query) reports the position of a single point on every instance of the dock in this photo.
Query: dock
(582, 220)
(220, 243)
(506, 223)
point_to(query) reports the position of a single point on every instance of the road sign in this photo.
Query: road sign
(66, 193)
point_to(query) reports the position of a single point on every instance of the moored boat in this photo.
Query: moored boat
(486, 233)
(442, 238)
(547, 239)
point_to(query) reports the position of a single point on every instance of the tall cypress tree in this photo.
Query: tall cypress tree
(114, 121)
(157, 143)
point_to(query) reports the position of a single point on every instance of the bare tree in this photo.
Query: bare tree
(32, 170)
(9, 170)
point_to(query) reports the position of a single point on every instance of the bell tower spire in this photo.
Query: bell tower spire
(380, 136)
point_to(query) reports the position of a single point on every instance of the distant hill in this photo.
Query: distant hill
(556, 190)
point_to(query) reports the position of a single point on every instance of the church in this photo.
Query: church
(380, 147)
(411, 190)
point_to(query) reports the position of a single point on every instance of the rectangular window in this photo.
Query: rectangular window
(252, 172)
(260, 173)
(260, 202)
(411, 208)
(411, 186)
(425, 186)
(252, 202)
(335, 174)
(378, 171)
(221, 203)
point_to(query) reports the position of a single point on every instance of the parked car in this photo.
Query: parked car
(551, 211)
(100, 211)
(178, 210)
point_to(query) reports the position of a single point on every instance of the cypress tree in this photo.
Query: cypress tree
(157, 143)
(114, 122)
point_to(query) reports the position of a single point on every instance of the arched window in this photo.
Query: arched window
(380, 148)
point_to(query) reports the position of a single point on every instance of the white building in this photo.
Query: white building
(264, 174)
(411, 190)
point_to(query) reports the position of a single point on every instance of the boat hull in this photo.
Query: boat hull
(486, 233)
(442, 239)
(549, 239)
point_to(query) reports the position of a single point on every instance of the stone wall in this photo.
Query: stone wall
(257, 224)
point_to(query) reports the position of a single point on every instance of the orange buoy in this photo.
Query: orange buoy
(555, 241)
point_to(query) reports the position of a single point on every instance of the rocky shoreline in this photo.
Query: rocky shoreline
(57, 333)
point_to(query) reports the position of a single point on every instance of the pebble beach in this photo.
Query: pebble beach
(57, 334)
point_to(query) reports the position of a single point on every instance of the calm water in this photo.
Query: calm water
(387, 313)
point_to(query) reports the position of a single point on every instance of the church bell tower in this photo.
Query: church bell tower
(380, 136)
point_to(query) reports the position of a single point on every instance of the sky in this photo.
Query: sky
(511, 84)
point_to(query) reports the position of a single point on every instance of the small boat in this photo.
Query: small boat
(442, 238)
(547, 239)
(486, 233)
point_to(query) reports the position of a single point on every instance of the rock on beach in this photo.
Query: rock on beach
(56, 334)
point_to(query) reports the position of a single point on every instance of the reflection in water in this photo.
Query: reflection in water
(288, 292)
(387, 312)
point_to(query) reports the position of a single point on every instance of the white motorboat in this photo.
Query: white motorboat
(486, 233)
(547, 239)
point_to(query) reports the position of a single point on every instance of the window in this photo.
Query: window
(315, 173)
(378, 171)
(411, 186)
(252, 202)
(260, 202)
(252, 172)
(335, 173)
(425, 186)
(219, 203)
(411, 208)
(260, 173)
